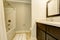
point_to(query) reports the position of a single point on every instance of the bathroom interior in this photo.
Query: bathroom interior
(17, 17)
(29, 19)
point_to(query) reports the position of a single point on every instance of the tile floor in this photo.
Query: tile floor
(22, 36)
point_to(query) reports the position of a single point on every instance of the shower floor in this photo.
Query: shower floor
(22, 36)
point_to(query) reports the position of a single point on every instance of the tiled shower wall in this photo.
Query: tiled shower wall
(10, 15)
(23, 15)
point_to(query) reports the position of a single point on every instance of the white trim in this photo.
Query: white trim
(3, 33)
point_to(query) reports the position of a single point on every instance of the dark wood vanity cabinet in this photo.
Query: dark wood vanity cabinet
(48, 37)
(54, 31)
(41, 34)
(47, 32)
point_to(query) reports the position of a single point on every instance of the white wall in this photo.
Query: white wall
(2, 22)
(54, 19)
(23, 16)
(38, 12)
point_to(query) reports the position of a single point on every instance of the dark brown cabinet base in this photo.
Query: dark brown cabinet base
(49, 37)
(41, 34)
(47, 32)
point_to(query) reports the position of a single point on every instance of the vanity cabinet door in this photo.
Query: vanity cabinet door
(40, 34)
(41, 26)
(50, 37)
(54, 31)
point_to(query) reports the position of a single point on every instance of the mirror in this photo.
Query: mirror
(52, 8)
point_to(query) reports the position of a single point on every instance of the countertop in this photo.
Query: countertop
(57, 24)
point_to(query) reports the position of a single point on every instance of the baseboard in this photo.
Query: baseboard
(17, 32)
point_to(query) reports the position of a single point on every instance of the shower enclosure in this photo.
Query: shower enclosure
(17, 17)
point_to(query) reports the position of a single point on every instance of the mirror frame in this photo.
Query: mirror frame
(47, 10)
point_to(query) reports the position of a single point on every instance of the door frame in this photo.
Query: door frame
(3, 33)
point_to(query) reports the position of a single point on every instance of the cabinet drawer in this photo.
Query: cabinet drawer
(41, 26)
(54, 31)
